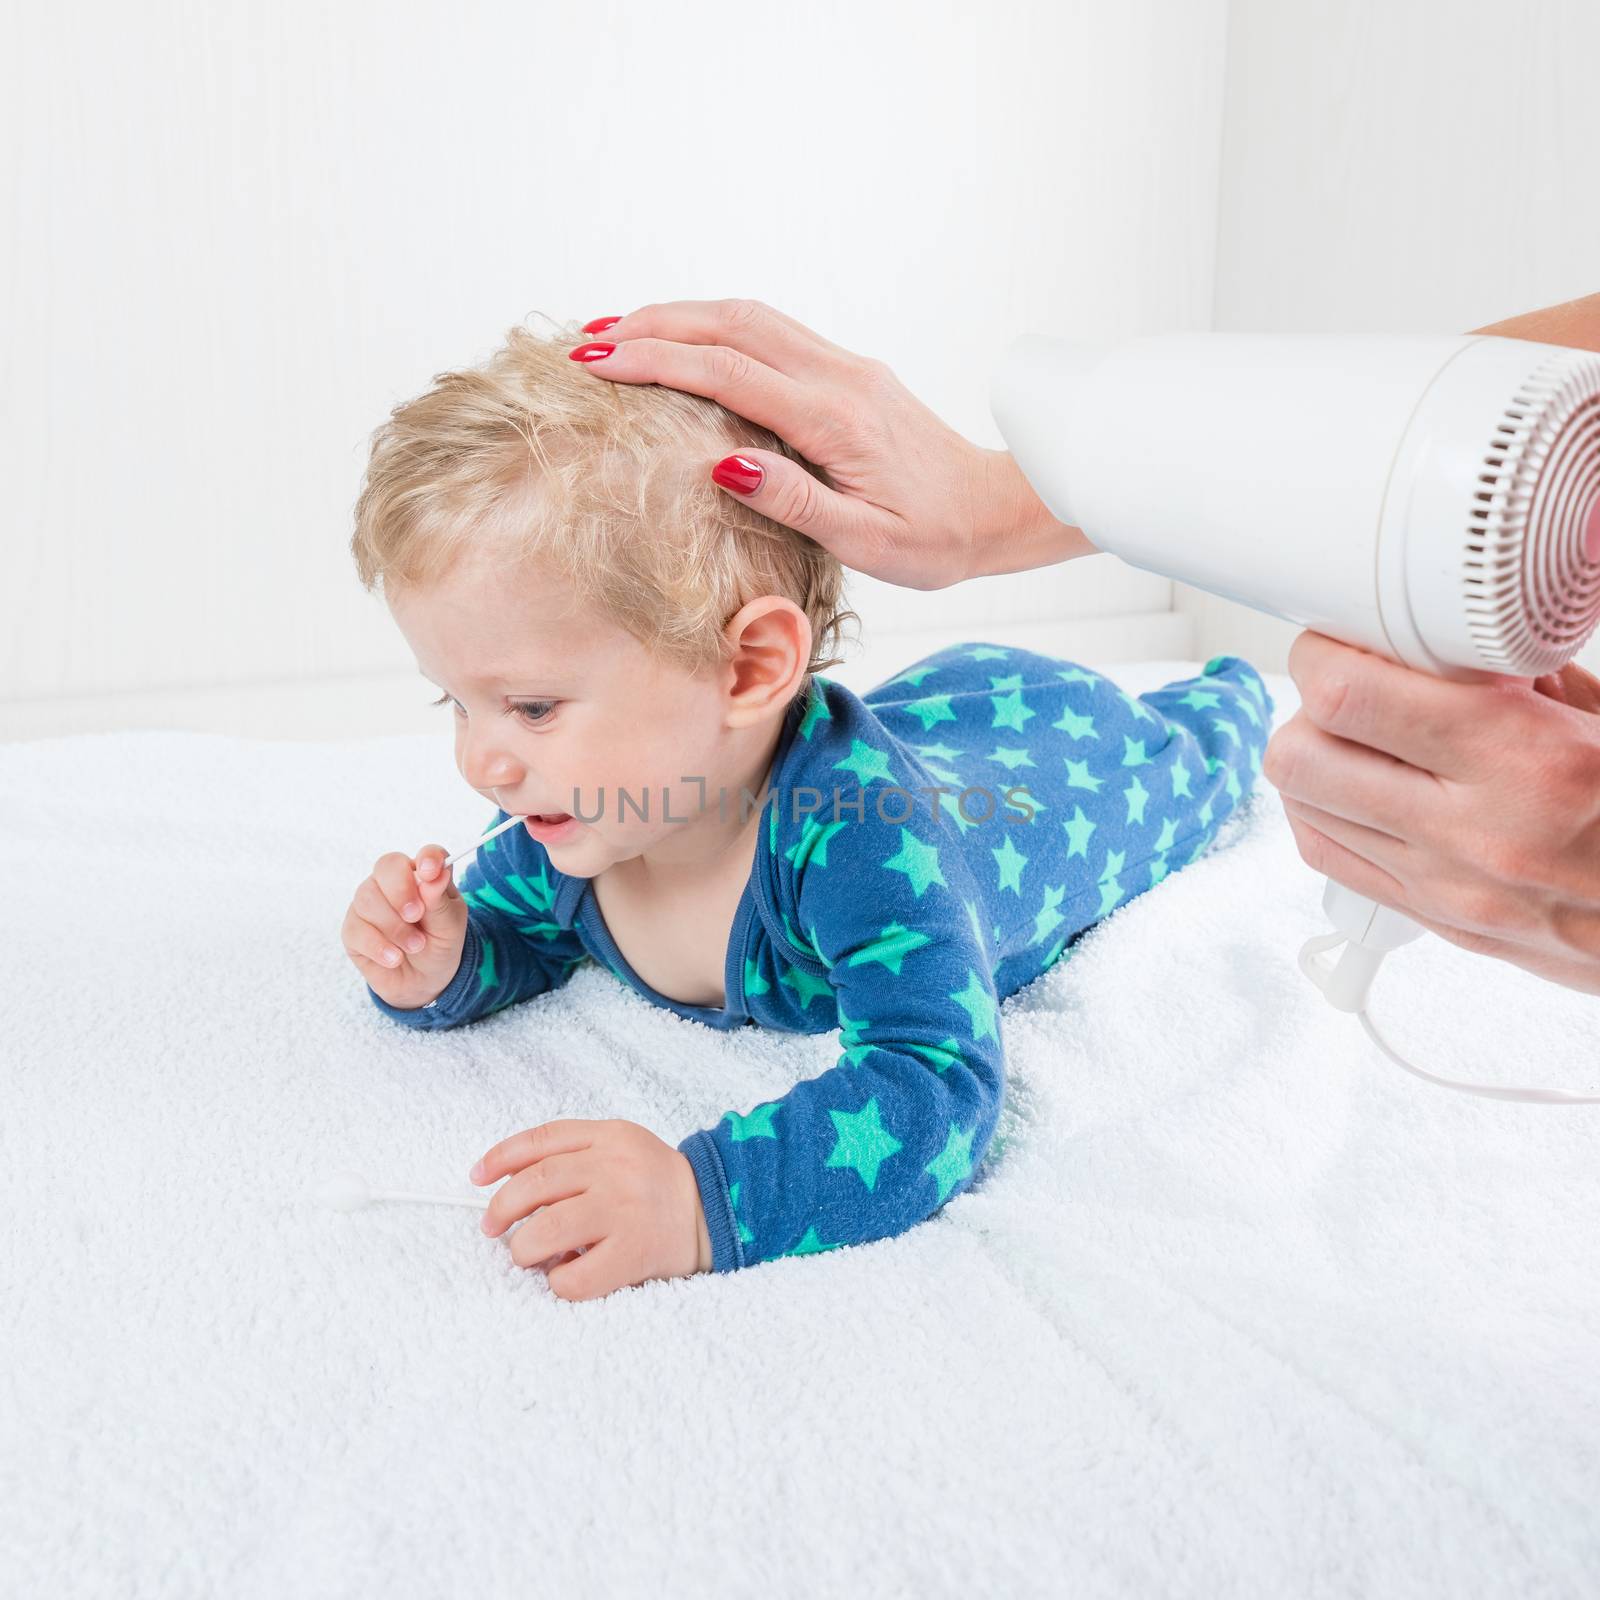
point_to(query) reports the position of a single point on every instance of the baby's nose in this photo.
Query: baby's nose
(488, 772)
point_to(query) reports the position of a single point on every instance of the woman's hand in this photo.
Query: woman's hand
(911, 501)
(611, 1186)
(1472, 808)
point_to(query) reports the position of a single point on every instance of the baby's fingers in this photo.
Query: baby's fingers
(376, 906)
(435, 881)
(367, 943)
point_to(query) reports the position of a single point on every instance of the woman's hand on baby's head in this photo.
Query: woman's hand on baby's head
(407, 927)
(911, 501)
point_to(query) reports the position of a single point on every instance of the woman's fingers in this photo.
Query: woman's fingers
(855, 530)
(741, 382)
(814, 421)
(1572, 686)
(1440, 727)
(1380, 792)
(749, 326)
(748, 357)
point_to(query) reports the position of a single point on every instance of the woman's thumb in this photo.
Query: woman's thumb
(783, 490)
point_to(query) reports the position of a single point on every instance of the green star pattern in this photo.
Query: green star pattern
(1010, 861)
(745, 1235)
(1074, 726)
(854, 1048)
(806, 987)
(977, 1002)
(1009, 758)
(953, 1164)
(810, 1245)
(865, 761)
(812, 845)
(893, 944)
(930, 709)
(755, 1124)
(816, 712)
(919, 862)
(864, 1143)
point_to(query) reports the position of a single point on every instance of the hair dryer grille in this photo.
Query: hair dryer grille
(1531, 573)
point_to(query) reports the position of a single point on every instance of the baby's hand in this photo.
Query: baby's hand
(406, 928)
(611, 1189)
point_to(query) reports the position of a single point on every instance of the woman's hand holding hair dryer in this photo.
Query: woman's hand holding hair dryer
(1474, 809)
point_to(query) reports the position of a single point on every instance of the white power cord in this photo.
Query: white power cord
(1320, 973)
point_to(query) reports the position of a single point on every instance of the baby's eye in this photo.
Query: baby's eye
(534, 711)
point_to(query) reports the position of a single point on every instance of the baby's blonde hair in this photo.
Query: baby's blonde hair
(528, 457)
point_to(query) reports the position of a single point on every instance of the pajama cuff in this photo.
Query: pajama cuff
(706, 1159)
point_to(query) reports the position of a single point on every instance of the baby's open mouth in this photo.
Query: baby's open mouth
(550, 816)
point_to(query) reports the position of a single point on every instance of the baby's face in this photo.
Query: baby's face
(556, 708)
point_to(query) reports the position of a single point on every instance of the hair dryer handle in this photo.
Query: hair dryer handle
(1372, 931)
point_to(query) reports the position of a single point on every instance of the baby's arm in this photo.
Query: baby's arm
(514, 949)
(886, 1137)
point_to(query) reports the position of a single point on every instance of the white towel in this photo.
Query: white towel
(1236, 1307)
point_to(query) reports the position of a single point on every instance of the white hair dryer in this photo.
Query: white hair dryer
(1435, 500)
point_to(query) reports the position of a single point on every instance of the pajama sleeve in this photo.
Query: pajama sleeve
(883, 1139)
(514, 949)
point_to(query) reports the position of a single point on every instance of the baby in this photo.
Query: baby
(634, 664)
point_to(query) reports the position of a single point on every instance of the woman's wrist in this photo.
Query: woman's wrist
(1574, 323)
(1013, 530)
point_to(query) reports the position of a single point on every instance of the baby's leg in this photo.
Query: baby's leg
(1149, 781)
(1220, 723)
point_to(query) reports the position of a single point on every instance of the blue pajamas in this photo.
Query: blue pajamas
(930, 847)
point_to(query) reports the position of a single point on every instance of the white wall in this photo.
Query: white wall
(1401, 166)
(237, 234)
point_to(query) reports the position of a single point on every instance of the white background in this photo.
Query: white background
(235, 235)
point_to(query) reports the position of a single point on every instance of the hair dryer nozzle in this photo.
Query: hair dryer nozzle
(1033, 395)
(1433, 499)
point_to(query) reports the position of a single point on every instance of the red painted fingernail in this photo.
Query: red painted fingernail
(600, 324)
(591, 352)
(734, 472)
